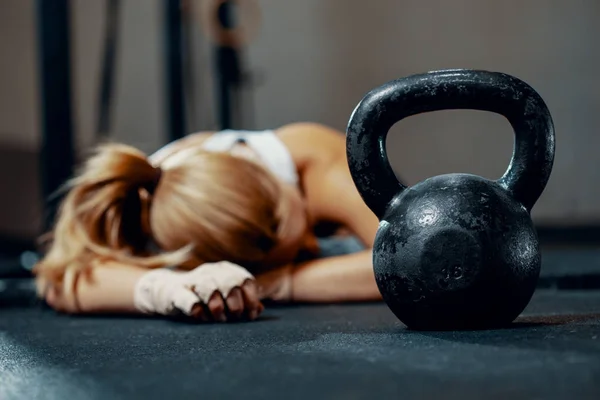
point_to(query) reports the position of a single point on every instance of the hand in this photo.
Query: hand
(276, 285)
(241, 303)
(220, 291)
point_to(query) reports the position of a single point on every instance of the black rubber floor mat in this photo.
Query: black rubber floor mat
(321, 352)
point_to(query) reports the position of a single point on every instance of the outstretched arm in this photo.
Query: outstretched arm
(345, 278)
(211, 292)
(108, 288)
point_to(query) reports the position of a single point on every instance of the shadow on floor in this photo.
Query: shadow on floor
(573, 333)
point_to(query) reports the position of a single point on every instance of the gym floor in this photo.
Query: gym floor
(337, 351)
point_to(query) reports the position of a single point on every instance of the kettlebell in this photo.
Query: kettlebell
(454, 251)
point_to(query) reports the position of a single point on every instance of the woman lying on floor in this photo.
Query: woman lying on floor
(209, 227)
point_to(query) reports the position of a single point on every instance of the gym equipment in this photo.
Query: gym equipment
(57, 154)
(109, 58)
(174, 79)
(220, 25)
(455, 251)
(230, 34)
(173, 57)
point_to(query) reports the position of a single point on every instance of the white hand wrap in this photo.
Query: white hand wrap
(167, 292)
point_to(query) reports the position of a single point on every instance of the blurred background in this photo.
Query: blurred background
(147, 71)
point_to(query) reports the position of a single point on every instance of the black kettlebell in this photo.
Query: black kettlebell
(455, 251)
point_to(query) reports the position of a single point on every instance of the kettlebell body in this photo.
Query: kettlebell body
(454, 251)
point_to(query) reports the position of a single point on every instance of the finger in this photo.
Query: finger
(185, 301)
(216, 306)
(235, 303)
(253, 304)
(204, 288)
(198, 313)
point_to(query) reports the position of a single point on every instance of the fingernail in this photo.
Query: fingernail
(252, 315)
(195, 311)
(222, 318)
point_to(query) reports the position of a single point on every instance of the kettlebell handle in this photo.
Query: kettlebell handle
(371, 120)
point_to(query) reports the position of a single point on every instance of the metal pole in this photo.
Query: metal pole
(174, 69)
(226, 68)
(57, 154)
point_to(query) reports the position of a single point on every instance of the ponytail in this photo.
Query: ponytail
(106, 216)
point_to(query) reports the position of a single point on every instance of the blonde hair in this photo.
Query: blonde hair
(197, 207)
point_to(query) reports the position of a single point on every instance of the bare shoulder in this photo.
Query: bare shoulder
(329, 190)
(310, 142)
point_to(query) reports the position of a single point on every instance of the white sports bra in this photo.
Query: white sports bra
(268, 147)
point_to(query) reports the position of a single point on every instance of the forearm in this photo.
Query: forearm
(336, 279)
(107, 288)
(219, 291)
